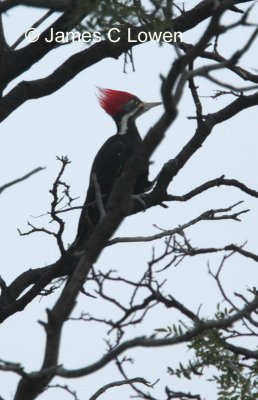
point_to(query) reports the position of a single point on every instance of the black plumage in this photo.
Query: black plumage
(112, 157)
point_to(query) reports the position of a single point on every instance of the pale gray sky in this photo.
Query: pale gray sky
(71, 122)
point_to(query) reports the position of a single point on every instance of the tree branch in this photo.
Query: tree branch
(119, 205)
(150, 342)
(23, 178)
(35, 51)
(118, 383)
(170, 169)
(207, 215)
(221, 181)
(55, 5)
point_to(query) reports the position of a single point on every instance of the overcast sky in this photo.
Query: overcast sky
(70, 122)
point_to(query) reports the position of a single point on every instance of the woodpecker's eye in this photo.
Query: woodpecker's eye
(129, 107)
(135, 102)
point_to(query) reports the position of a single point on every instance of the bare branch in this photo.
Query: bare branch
(120, 205)
(56, 202)
(207, 215)
(34, 230)
(3, 43)
(195, 96)
(65, 388)
(24, 58)
(119, 383)
(217, 182)
(35, 25)
(181, 395)
(215, 56)
(172, 167)
(240, 350)
(206, 69)
(32, 53)
(150, 342)
(140, 393)
(23, 178)
(55, 5)
(211, 184)
(12, 367)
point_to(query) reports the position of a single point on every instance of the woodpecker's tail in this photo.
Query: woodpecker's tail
(89, 218)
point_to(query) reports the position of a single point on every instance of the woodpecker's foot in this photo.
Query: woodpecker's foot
(139, 197)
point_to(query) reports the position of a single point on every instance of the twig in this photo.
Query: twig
(65, 388)
(23, 178)
(140, 393)
(13, 367)
(181, 395)
(221, 181)
(206, 216)
(118, 383)
(150, 342)
(35, 25)
(56, 201)
(195, 96)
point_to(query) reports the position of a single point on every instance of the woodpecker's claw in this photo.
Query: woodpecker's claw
(139, 197)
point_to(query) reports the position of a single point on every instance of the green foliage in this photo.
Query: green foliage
(174, 330)
(154, 15)
(235, 377)
(223, 313)
(194, 367)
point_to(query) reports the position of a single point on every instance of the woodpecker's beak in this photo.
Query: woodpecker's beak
(148, 106)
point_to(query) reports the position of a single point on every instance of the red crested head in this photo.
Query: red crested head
(113, 101)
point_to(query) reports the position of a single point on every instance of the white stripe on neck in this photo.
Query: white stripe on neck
(124, 122)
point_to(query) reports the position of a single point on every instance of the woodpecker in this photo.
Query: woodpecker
(110, 160)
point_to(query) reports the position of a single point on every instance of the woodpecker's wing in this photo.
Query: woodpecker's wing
(107, 166)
